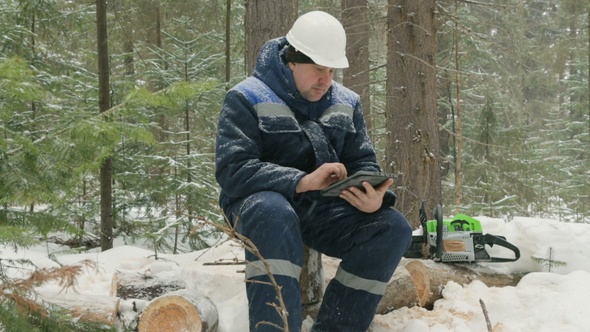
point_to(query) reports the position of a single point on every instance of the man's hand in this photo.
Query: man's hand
(368, 201)
(322, 177)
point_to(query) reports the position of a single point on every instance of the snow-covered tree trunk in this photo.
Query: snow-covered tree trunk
(143, 286)
(412, 147)
(86, 307)
(104, 103)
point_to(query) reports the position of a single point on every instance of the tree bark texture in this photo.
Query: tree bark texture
(104, 103)
(400, 292)
(228, 24)
(355, 20)
(311, 282)
(429, 278)
(411, 119)
(142, 286)
(266, 20)
(420, 282)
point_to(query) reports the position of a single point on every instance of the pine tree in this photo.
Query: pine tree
(549, 262)
(19, 309)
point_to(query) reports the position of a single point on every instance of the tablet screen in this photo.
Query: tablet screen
(374, 178)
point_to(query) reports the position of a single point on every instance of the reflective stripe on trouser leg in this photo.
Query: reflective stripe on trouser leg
(270, 223)
(371, 246)
(355, 282)
(275, 266)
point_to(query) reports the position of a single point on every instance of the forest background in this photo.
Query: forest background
(108, 112)
(512, 106)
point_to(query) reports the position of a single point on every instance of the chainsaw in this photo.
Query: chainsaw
(456, 240)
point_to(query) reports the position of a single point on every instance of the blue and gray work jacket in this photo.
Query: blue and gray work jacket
(269, 136)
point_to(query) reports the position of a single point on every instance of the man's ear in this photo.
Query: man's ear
(291, 65)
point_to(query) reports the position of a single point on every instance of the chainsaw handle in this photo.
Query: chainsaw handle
(461, 223)
(439, 230)
(491, 240)
(423, 220)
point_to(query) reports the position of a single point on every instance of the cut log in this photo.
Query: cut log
(430, 277)
(420, 282)
(311, 282)
(400, 292)
(85, 307)
(181, 310)
(143, 286)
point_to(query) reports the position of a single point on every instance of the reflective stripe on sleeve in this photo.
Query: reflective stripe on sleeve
(338, 109)
(277, 267)
(355, 282)
(272, 109)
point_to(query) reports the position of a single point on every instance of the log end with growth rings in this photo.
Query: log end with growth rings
(179, 311)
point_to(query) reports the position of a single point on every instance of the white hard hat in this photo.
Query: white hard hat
(321, 37)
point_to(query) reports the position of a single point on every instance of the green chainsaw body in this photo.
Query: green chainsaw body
(456, 240)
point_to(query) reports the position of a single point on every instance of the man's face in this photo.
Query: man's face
(312, 81)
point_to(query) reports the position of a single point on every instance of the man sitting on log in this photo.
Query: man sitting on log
(285, 133)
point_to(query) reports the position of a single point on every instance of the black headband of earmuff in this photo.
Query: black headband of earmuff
(292, 55)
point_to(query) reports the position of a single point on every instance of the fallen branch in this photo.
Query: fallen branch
(222, 261)
(485, 314)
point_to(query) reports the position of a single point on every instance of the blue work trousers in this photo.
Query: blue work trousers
(370, 247)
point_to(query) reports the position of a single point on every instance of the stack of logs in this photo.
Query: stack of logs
(172, 307)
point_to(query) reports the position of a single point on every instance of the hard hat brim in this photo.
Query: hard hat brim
(338, 63)
(321, 37)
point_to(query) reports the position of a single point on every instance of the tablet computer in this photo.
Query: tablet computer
(356, 180)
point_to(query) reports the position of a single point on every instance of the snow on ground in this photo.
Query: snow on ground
(542, 301)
